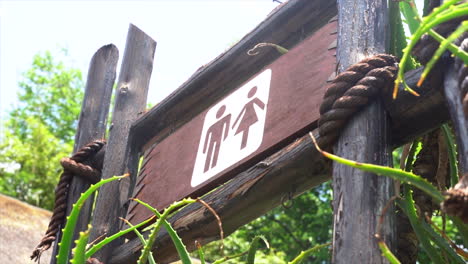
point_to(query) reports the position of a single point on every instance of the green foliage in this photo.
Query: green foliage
(72, 219)
(448, 10)
(39, 131)
(51, 93)
(301, 224)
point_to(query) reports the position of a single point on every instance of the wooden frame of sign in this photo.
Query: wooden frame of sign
(245, 126)
(283, 92)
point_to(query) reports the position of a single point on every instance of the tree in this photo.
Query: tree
(39, 131)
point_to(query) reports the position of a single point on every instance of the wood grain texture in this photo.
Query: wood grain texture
(92, 122)
(120, 158)
(359, 197)
(454, 102)
(293, 169)
(288, 25)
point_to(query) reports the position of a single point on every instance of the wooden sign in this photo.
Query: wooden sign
(251, 122)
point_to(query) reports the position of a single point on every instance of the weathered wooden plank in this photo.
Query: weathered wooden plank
(92, 121)
(280, 101)
(290, 171)
(295, 169)
(121, 157)
(286, 26)
(359, 197)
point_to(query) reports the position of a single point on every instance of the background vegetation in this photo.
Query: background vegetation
(40, 130)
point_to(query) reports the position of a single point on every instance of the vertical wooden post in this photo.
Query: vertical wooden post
(121, 157)
(454, 99)
(359, 197)
(92, 122)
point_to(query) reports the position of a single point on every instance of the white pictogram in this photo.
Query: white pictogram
(233, 128)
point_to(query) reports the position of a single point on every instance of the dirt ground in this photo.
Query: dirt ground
(21, 228)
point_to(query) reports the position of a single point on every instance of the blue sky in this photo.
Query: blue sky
(189, 34)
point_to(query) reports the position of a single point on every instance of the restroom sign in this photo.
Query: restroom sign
(243, 127)
(232, 129)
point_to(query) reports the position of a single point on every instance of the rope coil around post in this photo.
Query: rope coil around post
(351, 90)
(71, 167)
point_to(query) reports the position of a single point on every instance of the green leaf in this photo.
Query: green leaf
(79, 250)
(393, 173)
(307, 253)
(254, 246)
(410, 210)
(90, 252)
(183, 253)
(67, 234)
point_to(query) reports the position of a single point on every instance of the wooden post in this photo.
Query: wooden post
(92, 122)
(453, 96)
(121, 157)
(359, 197)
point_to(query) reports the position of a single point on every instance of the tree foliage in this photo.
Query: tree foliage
(298, 225)
(39, 130)
(51, 93)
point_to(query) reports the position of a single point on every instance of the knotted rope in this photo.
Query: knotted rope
(71, 167)
(351, 90)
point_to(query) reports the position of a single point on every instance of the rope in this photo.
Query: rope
(351, 90)
(71, 166)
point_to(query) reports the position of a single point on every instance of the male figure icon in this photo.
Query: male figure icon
(249, 116)
(215, 135)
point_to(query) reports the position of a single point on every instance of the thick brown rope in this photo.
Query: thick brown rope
(71, 166)
(351, 90)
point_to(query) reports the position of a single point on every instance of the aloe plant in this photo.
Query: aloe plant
(66, 241)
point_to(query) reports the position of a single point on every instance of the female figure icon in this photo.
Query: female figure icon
(248, 116)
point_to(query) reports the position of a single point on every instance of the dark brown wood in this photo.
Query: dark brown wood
(455, 106)
(359, 197)
(286, 26)
(409, 119)
(92, 122)
(296, 90)
(290, 171)
(121, 157)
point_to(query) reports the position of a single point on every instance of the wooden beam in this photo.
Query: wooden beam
(359, 197)
(291, 171)
(408, 118)
(121, 157)
(295, 169)
(92, 123)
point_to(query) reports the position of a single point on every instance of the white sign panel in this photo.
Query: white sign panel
(233, 128)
